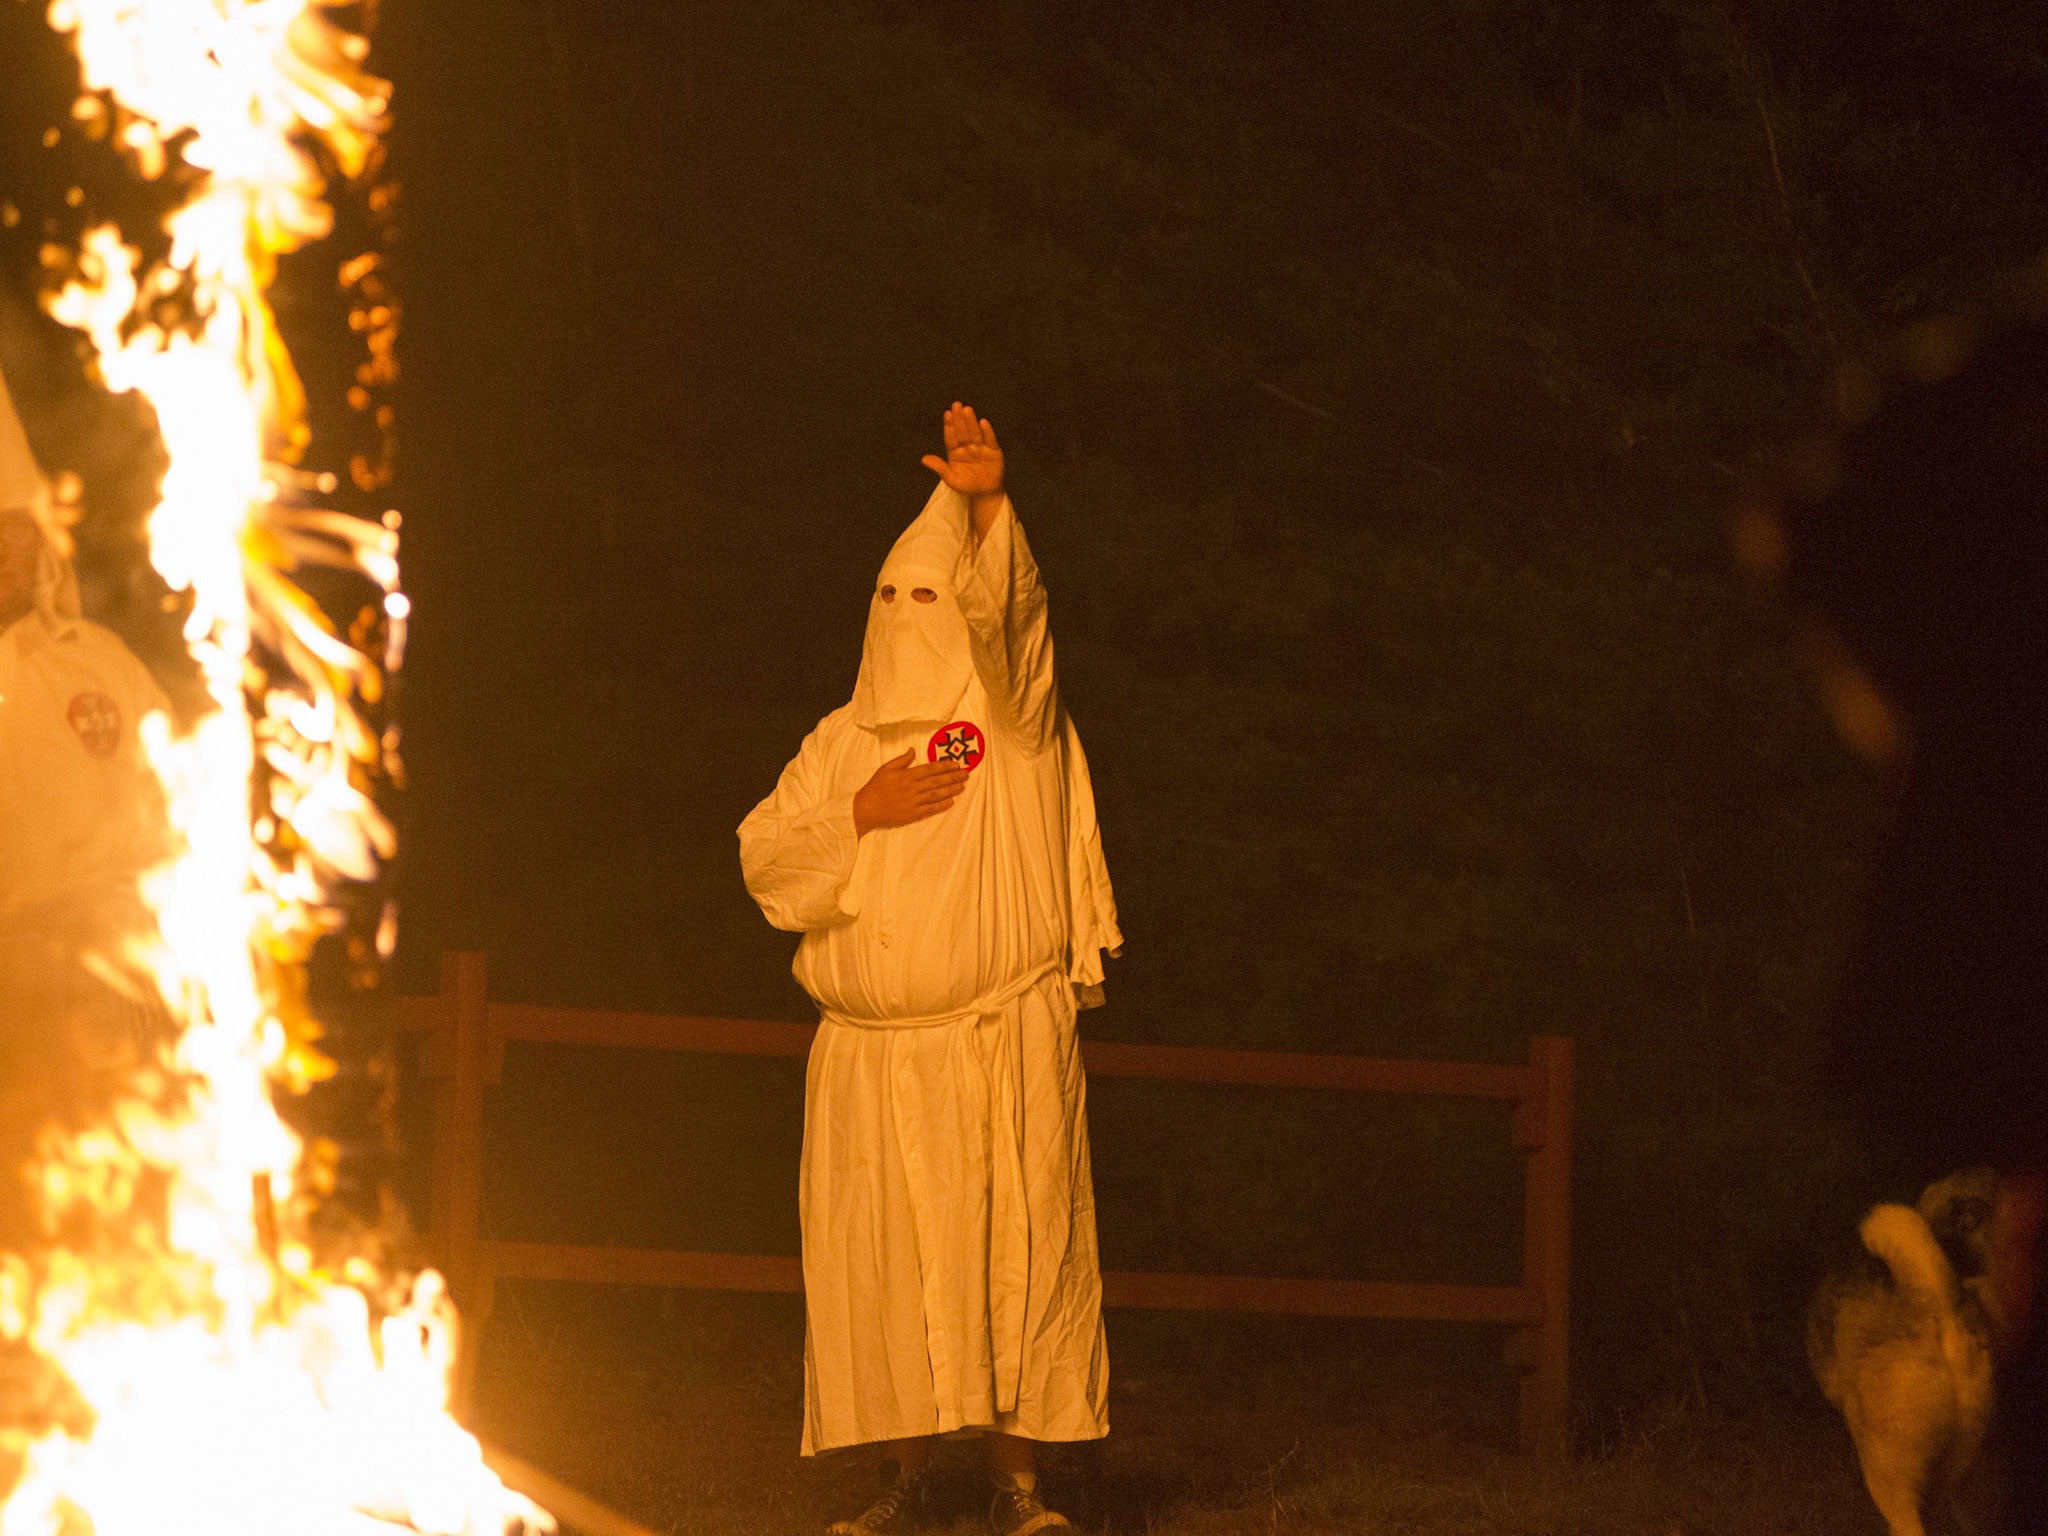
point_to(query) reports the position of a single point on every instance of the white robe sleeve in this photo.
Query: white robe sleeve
(1093, 922)
(1008, 631)
(798, 846)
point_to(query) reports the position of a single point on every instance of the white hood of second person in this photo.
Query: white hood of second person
(914, 662)
(23, 488)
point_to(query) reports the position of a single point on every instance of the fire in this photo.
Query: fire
(214, 1375)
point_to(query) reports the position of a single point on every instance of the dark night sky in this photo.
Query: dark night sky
(686, 286)
(664, 449)
(1372, 390)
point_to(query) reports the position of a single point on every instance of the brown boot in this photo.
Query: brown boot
(1018, 1510)
(900, 1509)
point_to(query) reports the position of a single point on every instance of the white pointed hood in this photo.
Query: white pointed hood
(915, 663)
(23, 488)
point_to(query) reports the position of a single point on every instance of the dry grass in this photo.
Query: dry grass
(682, 1411)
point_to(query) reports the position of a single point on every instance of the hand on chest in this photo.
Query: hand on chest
(966, 743)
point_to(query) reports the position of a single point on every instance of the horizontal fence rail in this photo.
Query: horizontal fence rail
(464, 1054)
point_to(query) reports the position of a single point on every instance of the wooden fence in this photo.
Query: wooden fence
(465, 1053)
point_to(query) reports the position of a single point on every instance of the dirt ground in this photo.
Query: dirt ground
(681, 1410)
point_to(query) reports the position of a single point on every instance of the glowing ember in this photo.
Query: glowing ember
(215, 1377)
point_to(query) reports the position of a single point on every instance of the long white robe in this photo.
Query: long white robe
(950, 1267)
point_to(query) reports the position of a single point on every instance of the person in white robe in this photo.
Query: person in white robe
(79, 815)
(934, 841)
(80, 821)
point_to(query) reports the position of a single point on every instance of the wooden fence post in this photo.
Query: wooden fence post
(465, 1058)
(1542, 1350)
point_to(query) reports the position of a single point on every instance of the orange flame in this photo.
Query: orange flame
(232, 1384)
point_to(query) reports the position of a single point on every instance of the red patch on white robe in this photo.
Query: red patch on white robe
(97, 719)
(960, 744)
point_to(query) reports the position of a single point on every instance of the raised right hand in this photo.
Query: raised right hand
(902, 792)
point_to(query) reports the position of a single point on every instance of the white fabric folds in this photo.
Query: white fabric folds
(949, 1230)
(80, 812)
(950, 1272)
(914, 659)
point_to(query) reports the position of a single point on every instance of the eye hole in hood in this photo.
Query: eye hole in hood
(915, 662)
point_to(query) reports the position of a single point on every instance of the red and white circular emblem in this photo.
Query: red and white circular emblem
(960, 744)
(97, 719)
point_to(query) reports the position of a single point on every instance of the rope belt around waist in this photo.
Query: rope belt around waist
(985, 1006)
